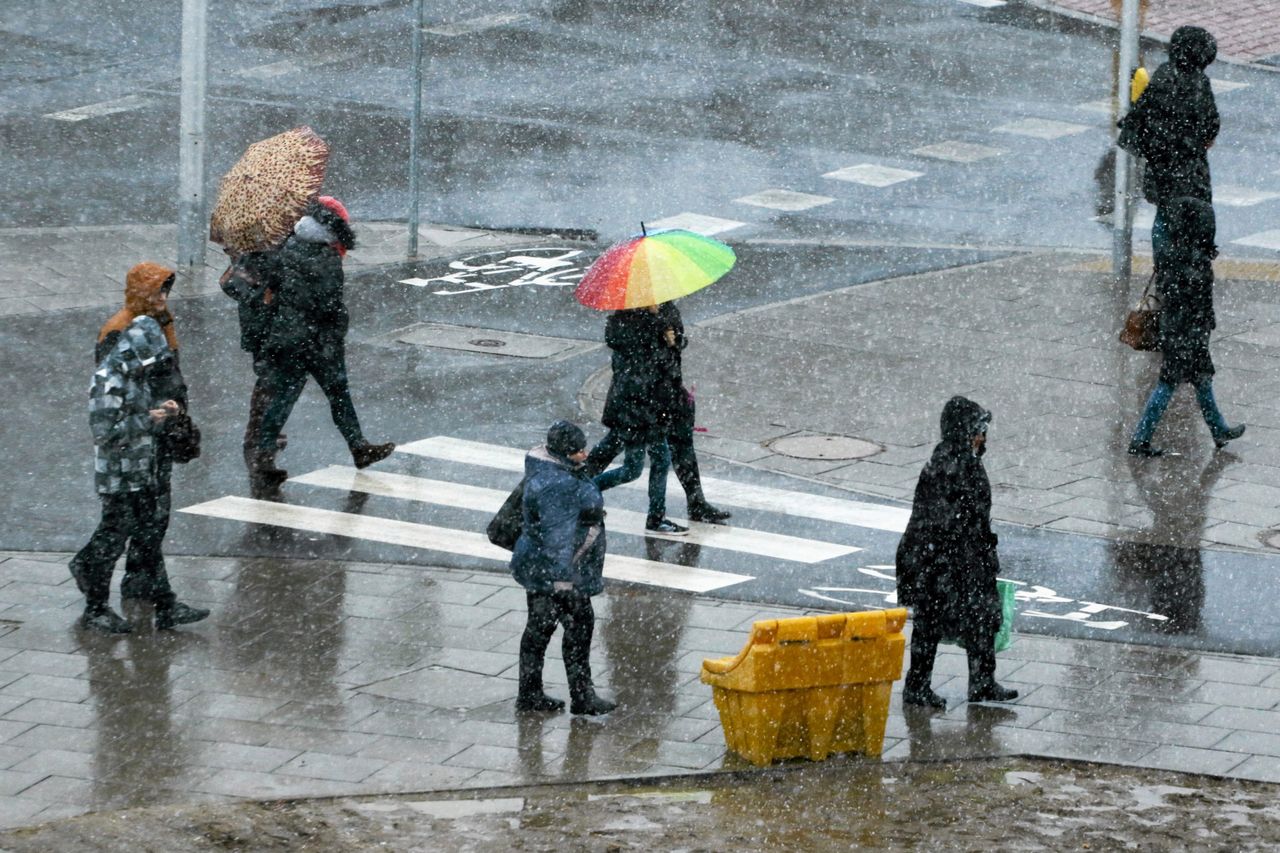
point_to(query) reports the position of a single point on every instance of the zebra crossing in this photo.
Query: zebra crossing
(417, 497)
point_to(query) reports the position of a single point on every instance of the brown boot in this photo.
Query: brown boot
(366, 454)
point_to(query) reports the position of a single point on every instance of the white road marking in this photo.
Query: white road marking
(428, 537)
(1263, 240)
(1042, 128)
(985, 4)
(1221, 86)
(872, 175)
(421, 489)
(784, 200)
(270, 70)
(1106, 106)
(798, 504)
(707, 226)
(958, 152)
(475, 25)
(1238, 196)
(103, 108)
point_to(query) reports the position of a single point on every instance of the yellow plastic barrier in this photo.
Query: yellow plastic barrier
(809, 686)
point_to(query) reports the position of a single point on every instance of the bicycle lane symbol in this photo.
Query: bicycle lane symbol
(1046, 603)
(540, 267)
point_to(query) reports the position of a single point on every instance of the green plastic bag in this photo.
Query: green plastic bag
(1008, 607)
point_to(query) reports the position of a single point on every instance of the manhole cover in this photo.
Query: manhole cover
(824, 447)
(487, 342)
(496, 342)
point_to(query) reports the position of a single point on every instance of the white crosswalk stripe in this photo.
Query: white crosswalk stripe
(727, 492)
(450, 541)
(465, 496)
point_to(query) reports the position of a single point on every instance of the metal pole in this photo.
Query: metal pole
(191, 214)
(1122, 218)
(415, 126)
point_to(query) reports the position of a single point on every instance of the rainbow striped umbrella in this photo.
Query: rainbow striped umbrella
(655, 267)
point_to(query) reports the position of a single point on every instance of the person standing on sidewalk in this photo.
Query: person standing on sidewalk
(1173, 125)
(126, 418)
(1185, 281)
(251, 280)
(947, 562)
(640, 407)
(308, 334)
(559, 560)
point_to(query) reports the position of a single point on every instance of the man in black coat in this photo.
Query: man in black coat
(1173, 126)
(1186, 321)
(947, 563)
(639, 408)
(308, 333)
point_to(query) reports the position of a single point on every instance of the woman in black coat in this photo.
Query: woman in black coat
(947, 563)
(642, 401)
(1185, 281)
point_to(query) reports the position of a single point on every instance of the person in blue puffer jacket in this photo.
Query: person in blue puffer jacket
(559, 560)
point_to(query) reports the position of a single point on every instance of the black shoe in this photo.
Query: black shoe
(925, 698)
(539, 702)
(992, 692)
(178, 614)
(1144, 448)
(135, 586)
(106, 621)
(1220, 440)
(665, 525)
(591, 706)
(708, 514)
(366, 454)
(265, 485)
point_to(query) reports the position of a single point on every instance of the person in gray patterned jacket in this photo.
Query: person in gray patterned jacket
(125, 420)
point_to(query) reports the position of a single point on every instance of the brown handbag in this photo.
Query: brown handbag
(1142, 324)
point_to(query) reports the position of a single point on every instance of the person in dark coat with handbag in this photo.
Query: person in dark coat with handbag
(146, 294)
(639, 408)
(947, 562)
(1172, 126)
(1187, 319)
(308, 333)
(559, 560)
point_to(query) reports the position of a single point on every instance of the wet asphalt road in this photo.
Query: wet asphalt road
(595, 115)
(1072, 586)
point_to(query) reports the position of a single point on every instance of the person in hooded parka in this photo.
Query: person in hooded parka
(1187, 319)
(947, 563)
(1172, 126)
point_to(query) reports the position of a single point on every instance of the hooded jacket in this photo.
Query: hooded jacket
(946, 560)
(120, 400)
(645, 393)
(1175, 121)
(1186, 287)
(141, 285)
(563, 537)
(309, 306)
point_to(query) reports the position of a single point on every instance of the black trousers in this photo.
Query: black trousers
(259, 400)
(924, 648)
(285, 377)
(683, 459)
(134, 520)
(547, 610)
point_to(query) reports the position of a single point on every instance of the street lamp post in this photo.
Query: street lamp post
(415, 126)
(191, 213)
(1122, 217)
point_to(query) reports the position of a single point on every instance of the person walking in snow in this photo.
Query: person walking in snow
(947, 563)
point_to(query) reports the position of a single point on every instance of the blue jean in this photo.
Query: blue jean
(633, 465)
(1159, 401)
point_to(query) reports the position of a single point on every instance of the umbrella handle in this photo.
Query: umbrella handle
(643, 231)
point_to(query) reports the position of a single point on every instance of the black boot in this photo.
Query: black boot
(531, 696)
(1220, 440)
(924, 697)
(106, 621)
(1144, 448)
(982, 677)
(539, 702)
(702, 511)
(136, 585)
(175, 614)
(924, 648)
(265, 478)
(591, 705)
(366, 454)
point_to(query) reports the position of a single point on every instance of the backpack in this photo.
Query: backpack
(247, 283)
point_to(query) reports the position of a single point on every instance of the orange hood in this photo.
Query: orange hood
(142, 283)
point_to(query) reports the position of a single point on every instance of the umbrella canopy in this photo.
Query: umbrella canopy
(653, 268)
(265, 193)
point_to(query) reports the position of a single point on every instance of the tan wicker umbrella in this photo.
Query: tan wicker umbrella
(265, 193)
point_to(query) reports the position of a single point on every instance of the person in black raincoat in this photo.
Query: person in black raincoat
(1173, 125)
(308, 333)
(684, 459)
(642, 402)
(1185, 283)
(947, 563)
(559, 560)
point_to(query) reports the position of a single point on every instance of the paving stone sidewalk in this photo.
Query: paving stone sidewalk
(318, 678)
(1246, 30)
(1034, 339)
